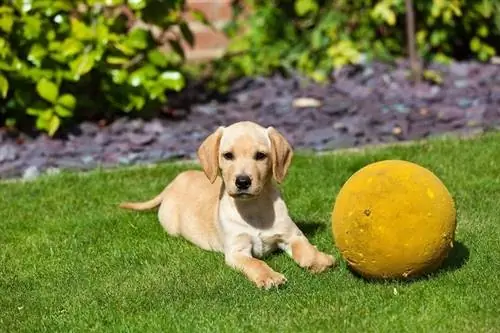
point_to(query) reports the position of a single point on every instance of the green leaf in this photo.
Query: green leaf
(135, 79)
(81, 65)
(187, 33)
(442, 58)
(137, 102)
(42, 123)
(6, 10)
(125, 49)
(319, 76)
(34, 111)
(172, 80)
(486, 52)
(47, 90)
(156, 92)
(383, 11)
(108, 2)
(4, 86)
(36, 74)
(200, 16)
(52, 7)
(32, 27)
(438, 37)
(62, 111)
(36, 54)
(136, 4)
(475, 44)
(138, 39)
(119, 75)
(80, 31)
(485, 8)
(318, 39)
(51, 35)
(157, 58)
(483, 31)
(10, 122)
(70, 47)
(53, 125)
(116, 60)
(68, 101)
(23, 6)
(6, 22)
(303, 7)
(139, 76)
(149, 70)
(102, 33)
(433, 76)
(4, 48)
(98, 53)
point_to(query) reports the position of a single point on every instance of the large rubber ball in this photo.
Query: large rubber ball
(394, 219)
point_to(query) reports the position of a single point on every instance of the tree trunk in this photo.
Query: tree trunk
(416, 71)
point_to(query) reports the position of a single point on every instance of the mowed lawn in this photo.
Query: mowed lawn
(71, 261)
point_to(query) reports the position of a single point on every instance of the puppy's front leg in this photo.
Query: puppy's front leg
(238, 254)
(306, 255)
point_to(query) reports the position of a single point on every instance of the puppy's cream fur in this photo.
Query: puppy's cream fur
(208, 209)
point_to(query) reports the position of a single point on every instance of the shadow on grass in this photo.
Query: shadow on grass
(457, 258)
(310, 228)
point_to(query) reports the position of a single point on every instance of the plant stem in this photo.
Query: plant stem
(410, 36)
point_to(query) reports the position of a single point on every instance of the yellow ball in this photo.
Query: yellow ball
(394, 219)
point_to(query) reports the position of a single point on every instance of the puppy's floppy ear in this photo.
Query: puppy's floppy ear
(281, 154)
(208, 154)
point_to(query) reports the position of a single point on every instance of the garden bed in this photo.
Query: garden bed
(367, 104)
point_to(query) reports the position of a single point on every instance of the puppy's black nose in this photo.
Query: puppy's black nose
(243, 182)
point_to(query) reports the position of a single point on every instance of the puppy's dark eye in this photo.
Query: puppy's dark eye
(259, 156)
(228, 156)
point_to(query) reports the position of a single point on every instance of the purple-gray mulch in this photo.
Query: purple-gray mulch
(365, 105)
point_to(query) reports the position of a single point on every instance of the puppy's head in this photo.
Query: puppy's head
(247, 156)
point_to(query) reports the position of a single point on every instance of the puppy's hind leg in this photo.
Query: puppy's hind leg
(169, 217)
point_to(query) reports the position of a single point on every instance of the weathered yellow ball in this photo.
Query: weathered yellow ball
(394, 219)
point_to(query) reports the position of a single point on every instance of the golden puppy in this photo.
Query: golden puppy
(234, 206)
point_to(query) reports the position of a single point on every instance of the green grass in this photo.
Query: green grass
(71, 261)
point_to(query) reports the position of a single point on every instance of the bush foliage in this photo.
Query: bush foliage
(316, 36)
(64, 58)
(69, 59)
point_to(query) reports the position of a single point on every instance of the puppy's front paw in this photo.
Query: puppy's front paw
(308, 257)
(321, 262)
(269, 279)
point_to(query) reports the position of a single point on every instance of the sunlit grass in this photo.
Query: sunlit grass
(71, 261)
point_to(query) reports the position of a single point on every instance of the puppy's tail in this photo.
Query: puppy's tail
(146, 204)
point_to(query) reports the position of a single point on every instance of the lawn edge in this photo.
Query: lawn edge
(305, 152)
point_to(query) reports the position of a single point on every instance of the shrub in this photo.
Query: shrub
(316, 36)
(63, 58)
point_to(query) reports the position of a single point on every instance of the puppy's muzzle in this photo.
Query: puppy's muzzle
(243, 182)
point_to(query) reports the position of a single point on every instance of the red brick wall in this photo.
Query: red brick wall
(209, 43)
